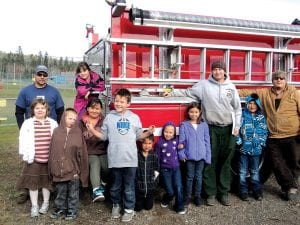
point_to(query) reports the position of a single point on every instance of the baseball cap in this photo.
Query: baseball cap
(41, 68)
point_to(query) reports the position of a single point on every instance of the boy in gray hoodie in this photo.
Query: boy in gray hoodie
(122, 128)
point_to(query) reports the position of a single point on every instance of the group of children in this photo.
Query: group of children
(67, 154)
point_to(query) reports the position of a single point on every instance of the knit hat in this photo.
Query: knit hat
(279, 73)
(218, 64)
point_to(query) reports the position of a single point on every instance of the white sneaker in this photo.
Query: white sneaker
(44, 208)
(34, 211)
(115, 212)
(128, 215)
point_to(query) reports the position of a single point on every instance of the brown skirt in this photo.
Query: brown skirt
(35, 176)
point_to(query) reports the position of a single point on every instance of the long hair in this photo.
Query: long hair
(194, 105)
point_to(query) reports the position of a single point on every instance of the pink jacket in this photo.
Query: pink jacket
(82, 87)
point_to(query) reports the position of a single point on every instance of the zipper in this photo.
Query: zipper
(62, 162)
(146, 178)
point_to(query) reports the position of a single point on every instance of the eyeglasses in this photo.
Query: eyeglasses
(279, 78)
(42, 74)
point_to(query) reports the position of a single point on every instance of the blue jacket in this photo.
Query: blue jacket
(196, 142)
(253, 133)
(166, 150)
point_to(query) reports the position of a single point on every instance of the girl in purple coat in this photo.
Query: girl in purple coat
(88, 85)
(166, 149)
(194, 149)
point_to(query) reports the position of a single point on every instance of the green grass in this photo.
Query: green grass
(8, 136)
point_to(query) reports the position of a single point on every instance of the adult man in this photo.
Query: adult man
(222, 111)
(39, 89)
(281, 104)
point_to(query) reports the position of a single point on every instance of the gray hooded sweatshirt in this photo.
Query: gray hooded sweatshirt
(220, 101)
(122, 131)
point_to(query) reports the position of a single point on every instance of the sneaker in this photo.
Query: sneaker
(128, 215)
(71, 216)
(291, 194)
(34, 211)
(198, 200)
(44, 208)
(258, 195)
(115, 212)
(244, 196)
(164, 204)
(211, 200)
(103, 183)
(187, 202)
(224, 200)
(165, 201)
(98, 195)
(182, 212)
(57, 213)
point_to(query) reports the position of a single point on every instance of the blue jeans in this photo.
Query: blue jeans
(67, 195)
(251, 164)
(194, 172)
(173, 184)
(123, 181)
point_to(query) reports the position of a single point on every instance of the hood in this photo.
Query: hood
(169, 123)
(62, 123)
(226, 79)
(253, 97)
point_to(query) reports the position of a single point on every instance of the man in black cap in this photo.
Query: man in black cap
(39, 89)
(221, 109)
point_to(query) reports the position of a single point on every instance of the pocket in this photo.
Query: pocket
(59, 168)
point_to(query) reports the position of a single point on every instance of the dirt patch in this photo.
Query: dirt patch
(272, 210)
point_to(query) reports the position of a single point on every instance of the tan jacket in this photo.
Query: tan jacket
(285, 121)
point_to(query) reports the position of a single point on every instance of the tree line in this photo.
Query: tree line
(23, 66)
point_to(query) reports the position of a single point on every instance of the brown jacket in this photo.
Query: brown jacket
(68, 158)
(285, 121)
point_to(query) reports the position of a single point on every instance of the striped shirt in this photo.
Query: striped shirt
(42, 137)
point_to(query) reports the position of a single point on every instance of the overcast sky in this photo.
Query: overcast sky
(58, 26)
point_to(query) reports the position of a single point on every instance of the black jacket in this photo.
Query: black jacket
(145, 177)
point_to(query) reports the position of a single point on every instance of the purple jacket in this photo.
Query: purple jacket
(196, 142)
(82, 87)
(166, 150)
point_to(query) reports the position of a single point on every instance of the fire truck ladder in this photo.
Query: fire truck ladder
(284, 60)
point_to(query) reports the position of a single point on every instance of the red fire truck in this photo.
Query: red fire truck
(150, 51)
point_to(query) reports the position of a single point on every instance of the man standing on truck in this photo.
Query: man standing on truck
(39, 89)
(281, 104)
(222, 111)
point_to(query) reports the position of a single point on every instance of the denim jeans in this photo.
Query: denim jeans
(173, 184)
(251, 164)
(67, 195)
(123, 185)
(194, 172)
